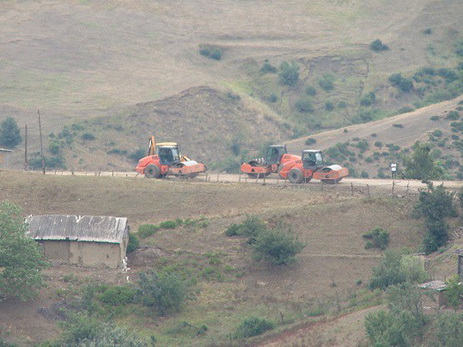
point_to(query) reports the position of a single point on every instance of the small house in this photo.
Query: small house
(91, 241)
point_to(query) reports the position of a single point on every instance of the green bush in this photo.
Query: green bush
(278, 246)
(88, 137)
(397, 125)
(395, 268)
(405, 109)
(253, 326)
(288, 74)
(378, 144)
(83, 330)
(310, 90)
(342, 104)
(310, 141)
(329, 106)
(454, 292)
(165, 291)
(377, 238)
(368, 99)
(118, 295)
(434, 118)
(134, 243)
(449, 330)
(145, 230)
(54, 147)
(327, 82)
(378, 46)
(304, 105)
(400, 82)
(268, 68)
(209, 51)
(453, 115)
(250, 227)
(169, 224)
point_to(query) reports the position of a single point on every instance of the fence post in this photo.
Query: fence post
(368, 190)
(217, 177)
(351, 188)
(393, 186)
(239, 178)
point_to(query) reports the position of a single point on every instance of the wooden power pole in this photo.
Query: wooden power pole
(41, 143)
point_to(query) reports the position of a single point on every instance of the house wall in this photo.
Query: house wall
(91, 254)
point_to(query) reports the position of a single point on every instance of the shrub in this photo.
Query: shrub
(396, 267)
(311, 91)
(304, 105)
(165, 291)
(378, 46)
(453, 115)
(137, 155)
(405, 109)
(88, 137)
(118, 295)
(449, 328)
(145, 230)
(273, 98)
(434, 118)
(454, 292)
(278, 246)
(397, 125)
(378, 144)
(368, 99)
(342, 104)
(169, 224)
(310, 141)
(209, 51)
(421, 165)
(216, 54)
(134, 243)
(289, 74)
(253, 326)
(327, 82)
(250, 227)
(329, 106)
(400, 82)
(427, 31)
(377, 238)
(83, 330)
(54, 147)
(268, 68)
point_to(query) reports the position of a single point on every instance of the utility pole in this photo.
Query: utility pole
(41, 143)
(26, 162)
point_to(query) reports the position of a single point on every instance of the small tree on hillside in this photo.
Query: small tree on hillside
(421, 164)
(20, 257)
(9, 133)
(289, 74)
(435, 204)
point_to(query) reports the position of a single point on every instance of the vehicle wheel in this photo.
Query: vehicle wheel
(193, 175)
(295, 176)
(152, 171)
(332, 181)
(252, 175)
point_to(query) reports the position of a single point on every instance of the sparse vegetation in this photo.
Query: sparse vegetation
(327, 82)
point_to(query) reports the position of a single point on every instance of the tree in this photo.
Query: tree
(421, 165)
(435, 204)
(454, 291)
(9, 133)
(20, 257)
(449, 330)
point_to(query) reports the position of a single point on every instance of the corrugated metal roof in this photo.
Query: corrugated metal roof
(77, 228)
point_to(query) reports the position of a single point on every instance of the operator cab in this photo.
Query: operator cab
(312, 159)
(168, 155)
(274, 154)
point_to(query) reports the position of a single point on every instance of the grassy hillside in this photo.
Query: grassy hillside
(328, 278)
(108, 63)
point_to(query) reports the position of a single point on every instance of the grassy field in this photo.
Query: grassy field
(328, 278)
